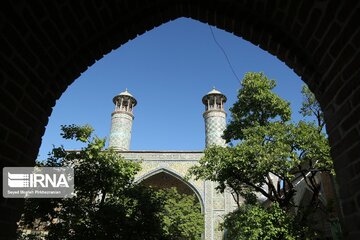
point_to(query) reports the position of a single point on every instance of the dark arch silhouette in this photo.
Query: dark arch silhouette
(46, 45)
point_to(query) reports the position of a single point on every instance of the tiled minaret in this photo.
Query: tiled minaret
(215, 118)
(121, 121)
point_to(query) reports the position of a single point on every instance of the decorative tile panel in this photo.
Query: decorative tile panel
(120, 134)
(215, 124)
(216, 205)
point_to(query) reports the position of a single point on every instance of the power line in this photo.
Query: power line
(223, 51)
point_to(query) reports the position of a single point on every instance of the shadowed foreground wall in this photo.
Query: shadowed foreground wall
(46, 45)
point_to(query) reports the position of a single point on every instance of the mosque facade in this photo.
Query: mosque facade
(165, 169)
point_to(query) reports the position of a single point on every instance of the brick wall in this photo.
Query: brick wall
(46, 45)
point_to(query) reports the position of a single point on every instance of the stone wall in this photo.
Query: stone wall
(214, 205)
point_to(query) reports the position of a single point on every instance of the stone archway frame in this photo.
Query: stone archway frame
(177, 176)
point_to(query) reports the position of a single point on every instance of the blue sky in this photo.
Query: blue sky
(168, 70)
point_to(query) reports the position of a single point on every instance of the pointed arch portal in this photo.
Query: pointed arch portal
(163, 178)
(46, 45)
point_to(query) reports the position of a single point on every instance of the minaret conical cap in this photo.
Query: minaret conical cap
(214, 91)
(125, 94)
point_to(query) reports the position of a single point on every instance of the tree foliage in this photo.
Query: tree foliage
(311, 107)
(254, 222)
(181, 215)
(267, 156)
(107, 203)
(257, 104)
(271, 152)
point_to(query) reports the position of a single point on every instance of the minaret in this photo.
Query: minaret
(121, 121)
(215, 118)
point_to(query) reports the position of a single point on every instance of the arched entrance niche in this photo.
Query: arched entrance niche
(164, 178)
(46, 45)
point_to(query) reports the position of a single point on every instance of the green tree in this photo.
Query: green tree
(107, 202)
(271, 151)
(311, 107)
(181, 215)
(257, 104)
(253, 222)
